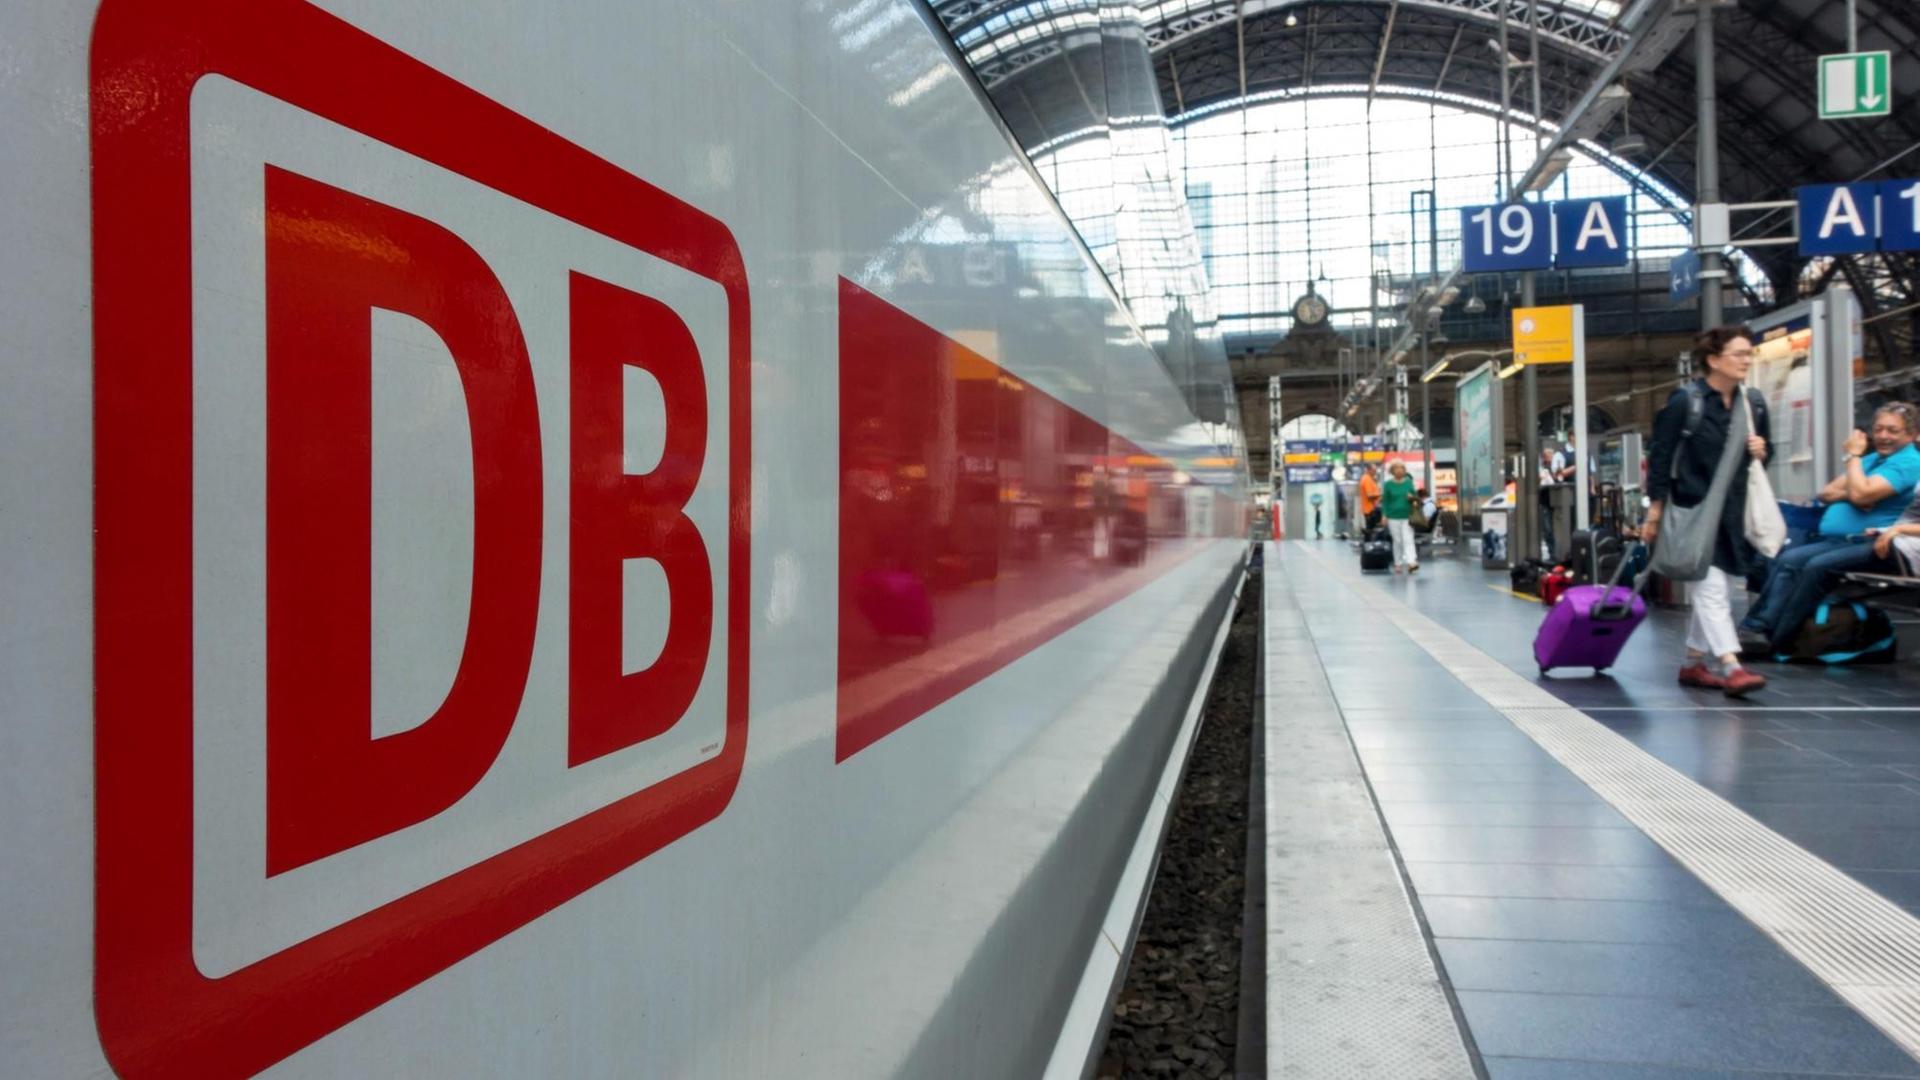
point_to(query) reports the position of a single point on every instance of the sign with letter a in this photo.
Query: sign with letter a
(1590, 232)
(1839, 219)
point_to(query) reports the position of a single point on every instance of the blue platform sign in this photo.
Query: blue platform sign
(1839, 219)
(1683, 277)
(1900, 215)
(1590, 232)
(1514, 236)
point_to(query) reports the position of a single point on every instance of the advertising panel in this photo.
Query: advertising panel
(1783, 370)
(1478, 467)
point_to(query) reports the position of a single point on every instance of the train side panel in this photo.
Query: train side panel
(604, 540)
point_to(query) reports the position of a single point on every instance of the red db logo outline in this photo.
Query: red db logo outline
(157, 1014)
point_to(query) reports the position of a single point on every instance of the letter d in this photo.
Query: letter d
(332, 257)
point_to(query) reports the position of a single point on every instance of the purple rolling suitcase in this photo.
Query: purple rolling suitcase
(895, 603)
(1590, 625)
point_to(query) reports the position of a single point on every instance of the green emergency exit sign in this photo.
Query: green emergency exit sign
(1856, 85)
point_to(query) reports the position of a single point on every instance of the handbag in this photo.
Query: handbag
(1684, 548)
(1766, 526)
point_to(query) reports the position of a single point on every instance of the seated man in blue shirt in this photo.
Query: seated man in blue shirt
(1870, 494)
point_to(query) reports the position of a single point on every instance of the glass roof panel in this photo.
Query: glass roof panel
(1322, 192)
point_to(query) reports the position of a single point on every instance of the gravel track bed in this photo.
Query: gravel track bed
(1178, 1011)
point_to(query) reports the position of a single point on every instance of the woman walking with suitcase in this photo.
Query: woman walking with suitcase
(1703, 441)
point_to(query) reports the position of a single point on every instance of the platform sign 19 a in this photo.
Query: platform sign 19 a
(1539, 236)
(1856, 85)
(1515, 236)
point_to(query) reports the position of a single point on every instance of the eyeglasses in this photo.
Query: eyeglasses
(1738, 354)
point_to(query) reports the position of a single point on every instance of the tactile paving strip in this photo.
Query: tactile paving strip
(1352, 990)
(1863, 946)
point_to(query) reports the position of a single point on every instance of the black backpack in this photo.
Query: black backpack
(1524, 576)
(1847, 632)
(1697, 407)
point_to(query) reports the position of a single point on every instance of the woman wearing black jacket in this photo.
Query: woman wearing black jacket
(1722, 357)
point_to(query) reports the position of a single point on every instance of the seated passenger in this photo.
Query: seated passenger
(1429, 515)
(1870, 494)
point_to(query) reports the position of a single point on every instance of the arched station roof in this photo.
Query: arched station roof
(1212, 52)
(1771, 136)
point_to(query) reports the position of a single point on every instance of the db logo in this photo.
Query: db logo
(421, 458)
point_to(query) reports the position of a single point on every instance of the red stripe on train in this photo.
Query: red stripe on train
(979, 518)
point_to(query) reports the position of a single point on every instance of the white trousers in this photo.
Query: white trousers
(1710, 630)
(1405, 552)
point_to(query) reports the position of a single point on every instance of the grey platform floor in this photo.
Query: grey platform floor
(1574, 946)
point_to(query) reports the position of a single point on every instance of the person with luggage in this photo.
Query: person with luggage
(1396, 503)
(1369, 499)
(1880, 475)
(1549, 464)
(1690, 466)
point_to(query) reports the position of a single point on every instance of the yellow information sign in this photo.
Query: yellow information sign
(1543, 335)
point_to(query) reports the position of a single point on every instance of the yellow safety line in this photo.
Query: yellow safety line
(1515, 595)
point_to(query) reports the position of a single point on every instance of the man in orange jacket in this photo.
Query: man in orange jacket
(1369, 498)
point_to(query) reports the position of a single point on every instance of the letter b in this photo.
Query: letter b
(618, 516)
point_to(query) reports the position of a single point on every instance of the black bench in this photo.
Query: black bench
(1888, 590)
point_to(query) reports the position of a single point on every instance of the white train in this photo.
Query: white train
(598, 539)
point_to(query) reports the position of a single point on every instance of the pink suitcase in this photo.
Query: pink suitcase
(1588, 627)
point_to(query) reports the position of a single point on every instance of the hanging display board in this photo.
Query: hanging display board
(1479, 459)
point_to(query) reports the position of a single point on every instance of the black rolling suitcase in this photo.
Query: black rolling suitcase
(1376, 550)
(1595, 554)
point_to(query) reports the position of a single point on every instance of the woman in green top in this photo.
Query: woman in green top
(1396, 505)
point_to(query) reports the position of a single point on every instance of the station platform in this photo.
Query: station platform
(1472, 869)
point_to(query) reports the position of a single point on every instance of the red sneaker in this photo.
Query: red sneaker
(1702, 676)
(1741, 682)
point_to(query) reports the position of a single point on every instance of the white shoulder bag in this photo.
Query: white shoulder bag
(1766, 527)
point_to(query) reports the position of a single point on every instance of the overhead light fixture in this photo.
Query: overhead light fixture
(1512, 60)
(1628, 145)
(1448, 295)
(1628, 142)
(1556, 164)
(1292, 19)
(1439, 337)
(1398, 357)
(1475, 306)
(1439, 366)
(1511, 369)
